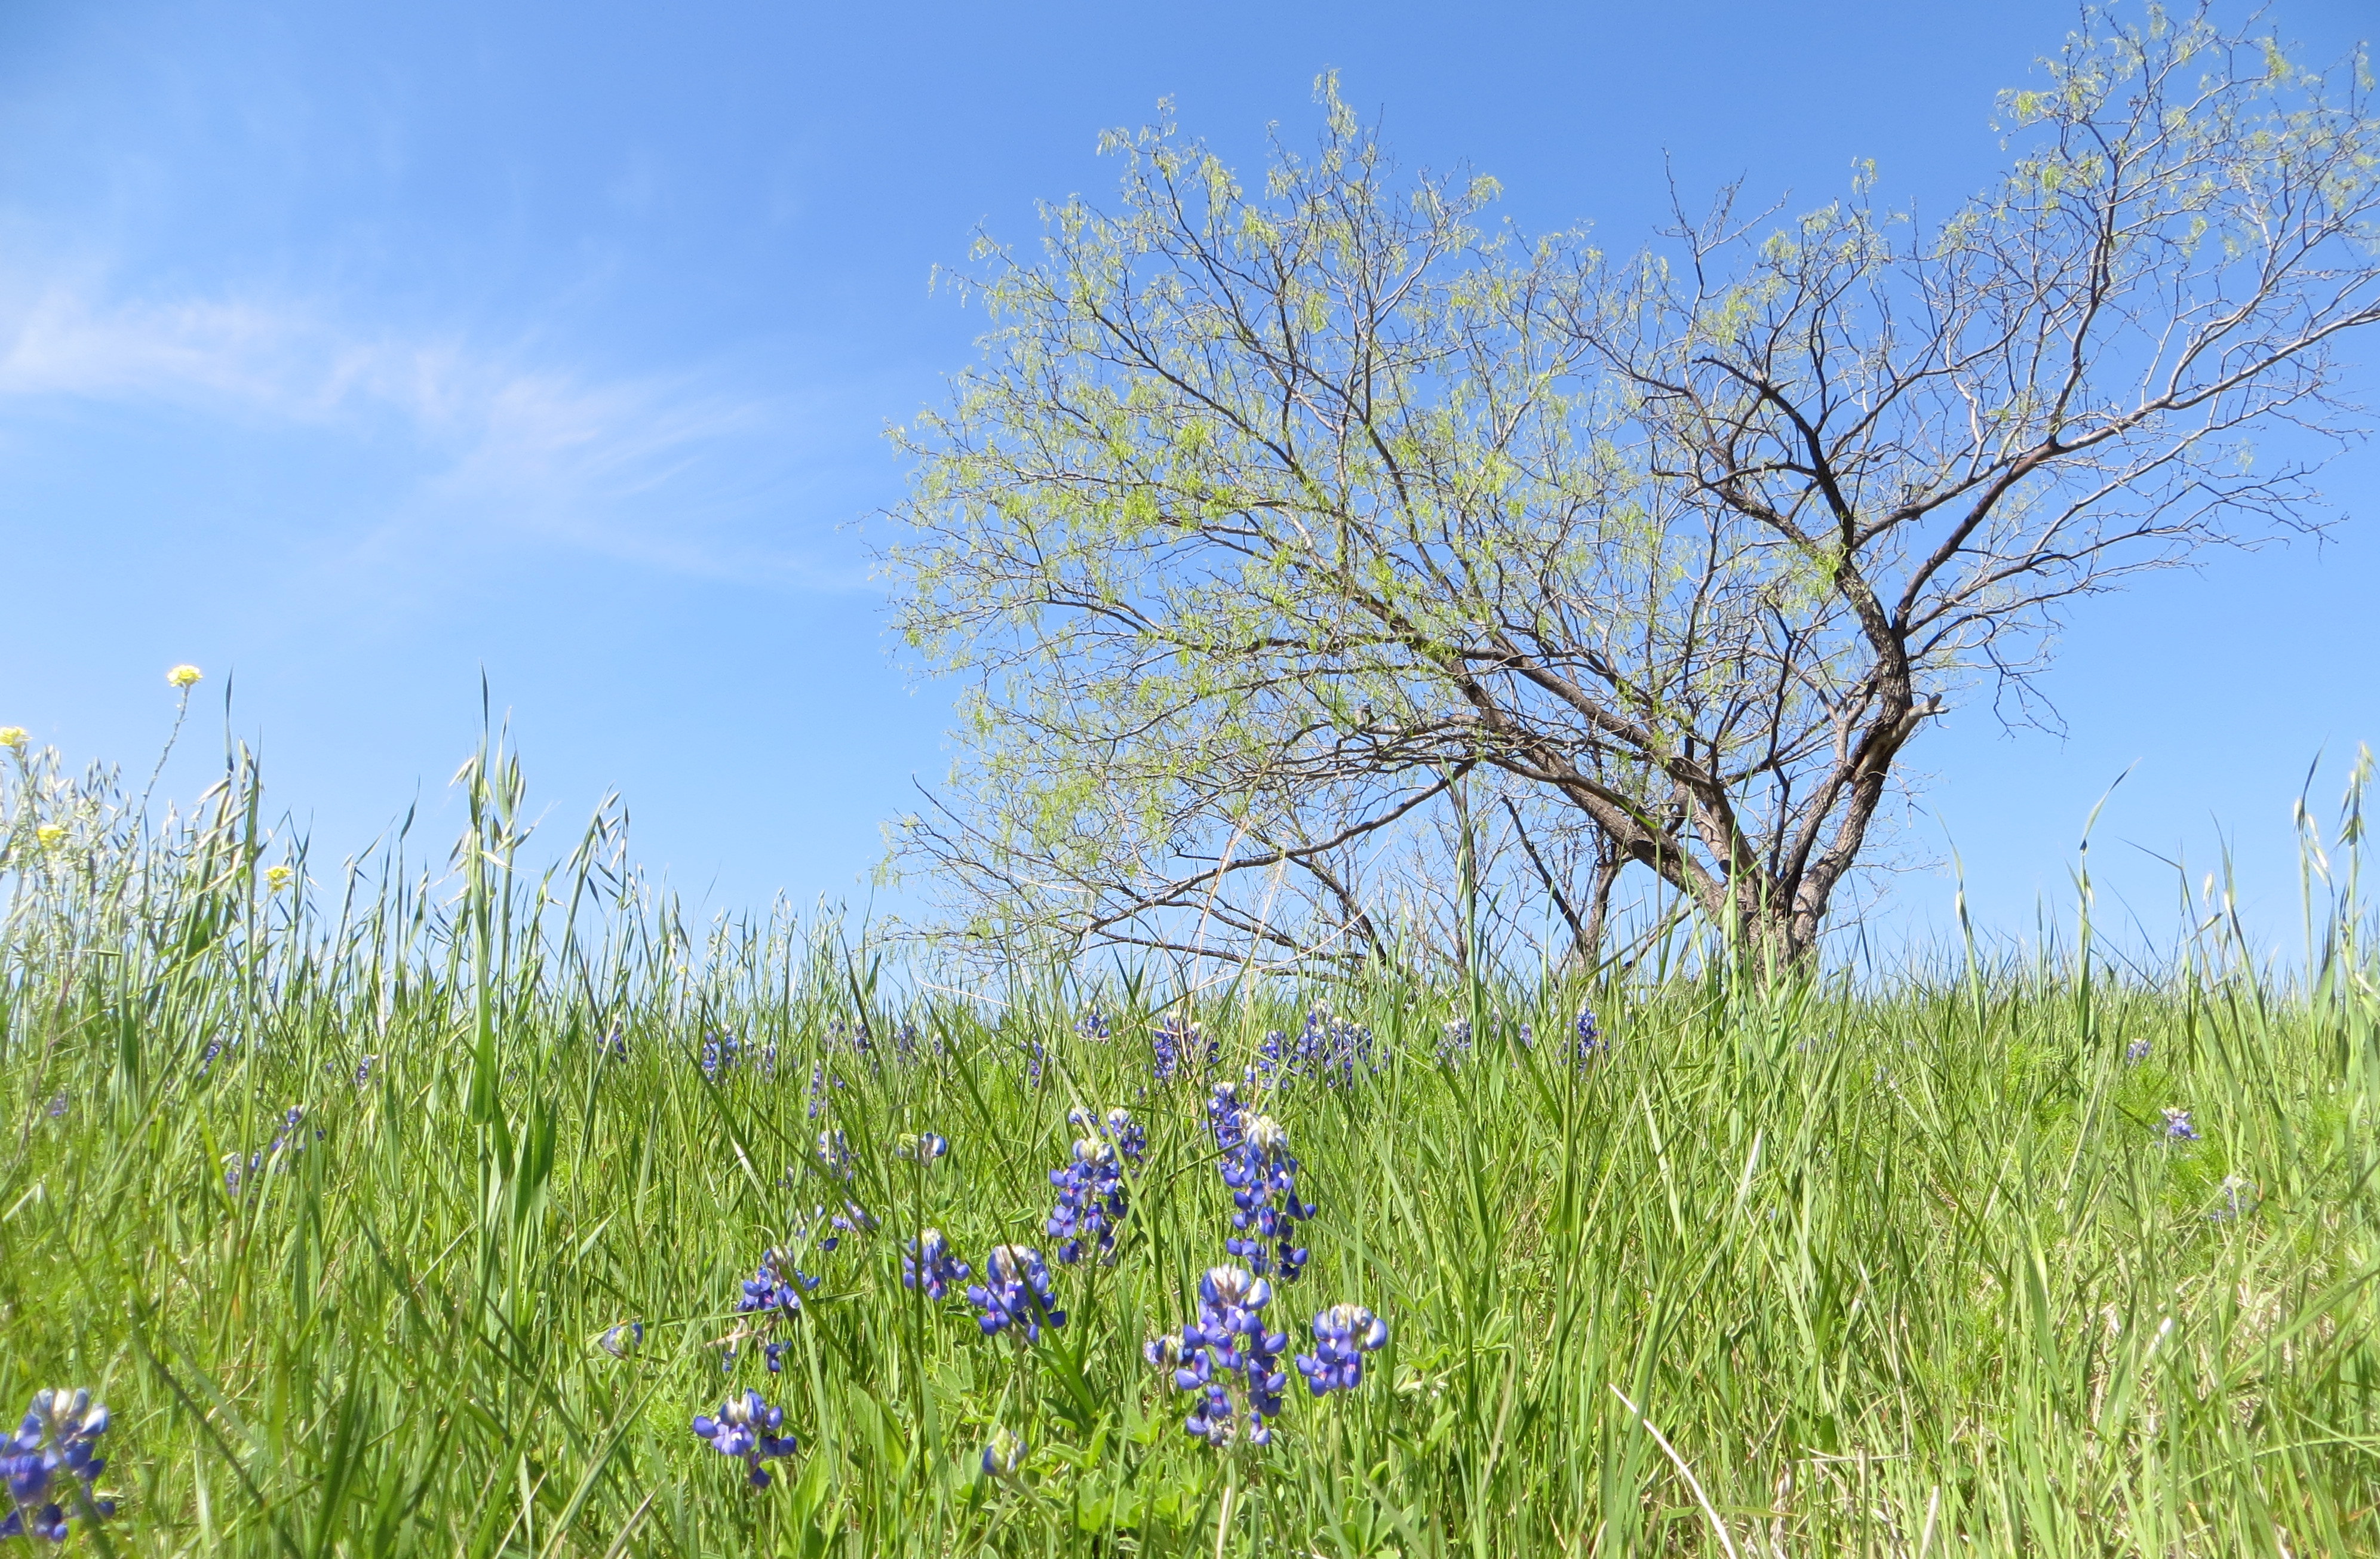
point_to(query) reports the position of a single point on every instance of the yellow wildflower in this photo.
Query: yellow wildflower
(183, 676)
(13, 738)
(277, 877)
(49, 834)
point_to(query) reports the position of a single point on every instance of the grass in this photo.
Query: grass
(1906, 1269)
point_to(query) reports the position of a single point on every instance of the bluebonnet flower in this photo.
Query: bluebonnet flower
(288, 1140)
(1015, 1292)
(1093, 1025)
(1528, 1035)
(905, 1041)
(924, 1146)
(1590, 1037)
(1329, 1049)
(770, 1292)
(60, 1435)
(930, 1265)
(216, 1048)
(1033, 1063)
(2177, 1128)
(1229, 1359)
(852, 1219)
(1272, 1058)
(1265, 1209)
(1177, 1045)
(1003, 1455)
(289, 1123)
(834, 1154)
(719, 1054)
(613, 1046)
(623, 1339)
(1342, 1334)
(1225, 1117)
(1454, 1041)
(2136, 1052)
(1090, 1200)
(747, 1429)
(820, 1080)
(1129, 1137)
(364, 1069)
(58, 1104)
(2240, 1196)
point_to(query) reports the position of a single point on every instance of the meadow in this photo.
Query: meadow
(405, 1206)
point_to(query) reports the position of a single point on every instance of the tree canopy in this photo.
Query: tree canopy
(1287, 531)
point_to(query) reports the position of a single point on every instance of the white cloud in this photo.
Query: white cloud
(686, 472)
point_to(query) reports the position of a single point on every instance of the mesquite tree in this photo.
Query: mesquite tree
(1277, 523)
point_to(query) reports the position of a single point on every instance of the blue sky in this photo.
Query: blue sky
(351, 351)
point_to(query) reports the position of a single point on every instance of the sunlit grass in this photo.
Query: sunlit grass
(1785, 1268)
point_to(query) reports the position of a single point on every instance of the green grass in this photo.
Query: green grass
(1899, 1269)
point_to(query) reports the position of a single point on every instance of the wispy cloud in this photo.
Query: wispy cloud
(684, 471)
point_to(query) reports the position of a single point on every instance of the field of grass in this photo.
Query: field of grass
(335, 1187)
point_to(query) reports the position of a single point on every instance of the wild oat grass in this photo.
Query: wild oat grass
(1910, 1267)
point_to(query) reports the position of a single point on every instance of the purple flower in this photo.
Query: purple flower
(215, 1047)
(747, 1429)
(1590, 1038)
(1176, 1045)
(623, 1339)
(1265, 1210)
(60, 1434)
(1225, 1118)
(2177, 1127)
(719, 1054)
(1227, 1360)
(1093, 1025)
(1090, 1201)
(924, 1146)
(777, 1289)
(2136, 1052)
(288, 1140)
(1329, 1049)
(1015, 1292)
(1131, 1137)
(1342, 1334)
(852, 1219)
(930, 1265)
(834, 1154)
(1003, 1455)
